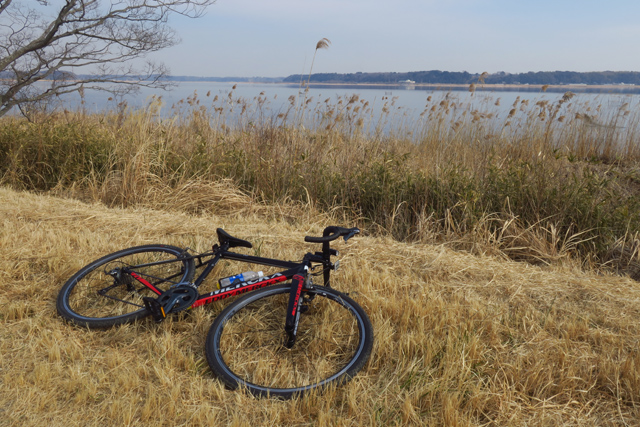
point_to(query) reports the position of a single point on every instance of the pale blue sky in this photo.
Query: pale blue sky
(271, 38)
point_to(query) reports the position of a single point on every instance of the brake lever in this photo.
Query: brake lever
(352, 233)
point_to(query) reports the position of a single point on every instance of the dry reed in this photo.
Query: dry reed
(545, 182)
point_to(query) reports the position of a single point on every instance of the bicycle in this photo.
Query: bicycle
(281, 339)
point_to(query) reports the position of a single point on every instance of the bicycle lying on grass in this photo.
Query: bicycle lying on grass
(278, 340)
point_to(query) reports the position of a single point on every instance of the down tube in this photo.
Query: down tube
(240, 289)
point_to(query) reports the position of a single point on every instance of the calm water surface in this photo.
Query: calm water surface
(400, 105)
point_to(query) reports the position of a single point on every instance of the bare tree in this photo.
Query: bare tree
(69, 45)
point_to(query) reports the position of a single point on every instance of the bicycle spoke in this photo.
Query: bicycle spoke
(121, 300)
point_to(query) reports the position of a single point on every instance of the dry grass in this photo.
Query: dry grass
(546, 181)
(460, 339)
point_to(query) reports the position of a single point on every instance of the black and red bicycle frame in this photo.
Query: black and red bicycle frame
(233, 290)
(297, 272)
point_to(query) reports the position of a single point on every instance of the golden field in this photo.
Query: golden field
(461, 339)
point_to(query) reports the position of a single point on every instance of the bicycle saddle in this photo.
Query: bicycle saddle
(233, 242)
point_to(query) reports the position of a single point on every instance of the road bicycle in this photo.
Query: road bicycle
(286, 336)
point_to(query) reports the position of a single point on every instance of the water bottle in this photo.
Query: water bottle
(239, 278)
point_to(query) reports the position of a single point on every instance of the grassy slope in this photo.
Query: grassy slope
(460, 339)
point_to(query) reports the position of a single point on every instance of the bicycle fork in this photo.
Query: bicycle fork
(298, 283)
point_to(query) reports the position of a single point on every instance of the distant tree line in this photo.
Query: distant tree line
(453, 77)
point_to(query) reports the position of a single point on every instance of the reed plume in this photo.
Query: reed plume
(323, 43)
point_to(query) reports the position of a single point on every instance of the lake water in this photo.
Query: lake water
(400, 105)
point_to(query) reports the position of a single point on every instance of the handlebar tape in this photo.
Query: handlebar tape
(333, 232)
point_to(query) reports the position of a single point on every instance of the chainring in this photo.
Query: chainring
(178, 298)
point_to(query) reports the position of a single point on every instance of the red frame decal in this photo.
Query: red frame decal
(239, 289)
(300, 280)
(145, 282)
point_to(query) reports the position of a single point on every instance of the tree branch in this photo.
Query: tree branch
(83, 34)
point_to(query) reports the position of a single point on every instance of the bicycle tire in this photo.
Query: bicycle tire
(80, 302)
(335, 338)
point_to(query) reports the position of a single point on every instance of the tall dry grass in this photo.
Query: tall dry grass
(541, 182)
(461, 339)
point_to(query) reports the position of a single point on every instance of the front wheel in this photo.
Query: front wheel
(246, 344)
(106, 292)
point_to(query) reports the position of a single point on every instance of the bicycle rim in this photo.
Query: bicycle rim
(245, 345)
(93, 297)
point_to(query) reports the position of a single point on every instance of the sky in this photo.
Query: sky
(277, 38)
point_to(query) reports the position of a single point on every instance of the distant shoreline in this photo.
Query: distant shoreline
(621, 88)
(486, 87)
(580, 88)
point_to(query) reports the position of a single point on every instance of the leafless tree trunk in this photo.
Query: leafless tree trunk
(70, 45)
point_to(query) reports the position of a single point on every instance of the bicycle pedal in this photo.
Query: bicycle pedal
(154, 307)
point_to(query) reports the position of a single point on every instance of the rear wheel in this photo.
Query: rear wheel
(245, 345)
(106, 293)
